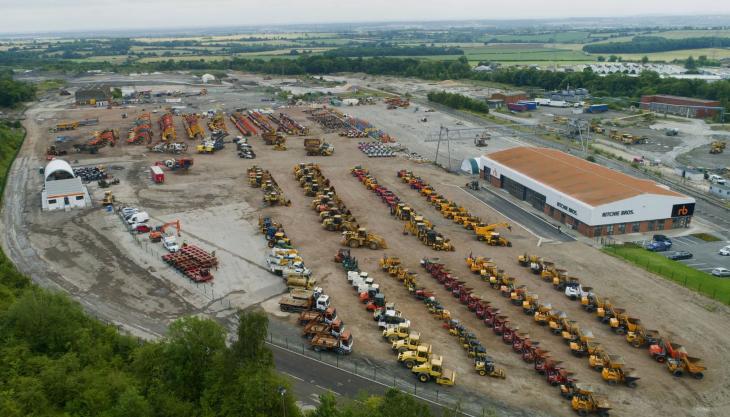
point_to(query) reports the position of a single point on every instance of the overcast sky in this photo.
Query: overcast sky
(23, 16)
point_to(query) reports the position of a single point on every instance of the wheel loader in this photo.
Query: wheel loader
(361, 237)
(640, 336)
(433, 370)
(337, 223)
(485, 366)
(585, 402)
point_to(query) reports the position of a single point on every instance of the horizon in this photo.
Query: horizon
(47, 18)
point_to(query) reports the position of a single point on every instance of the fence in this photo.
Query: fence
(452, 399)
(155, 252)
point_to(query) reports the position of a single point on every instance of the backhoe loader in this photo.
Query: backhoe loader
(336, 223)
(485, 366)
(487, 234)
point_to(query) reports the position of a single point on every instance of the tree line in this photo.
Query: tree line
(614, 85)
(392, 50)
(647, 44)
(14, 92)
(458, 101)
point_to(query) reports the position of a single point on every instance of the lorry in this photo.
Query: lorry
(326, 316)
(287, 266)
(316, 327)
(299, 281)
(341, 345)
(302, 300)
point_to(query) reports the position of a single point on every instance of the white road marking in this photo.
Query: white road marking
(292, 376)
(486, 204)
(696, 264)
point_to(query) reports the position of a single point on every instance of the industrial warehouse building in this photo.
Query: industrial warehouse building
(594, 200)
(62, 190)
(681, 106)
(94, 95)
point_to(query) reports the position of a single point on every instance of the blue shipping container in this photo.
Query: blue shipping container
(598, 108)
(531, 105)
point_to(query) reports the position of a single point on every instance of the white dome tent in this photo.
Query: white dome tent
(62, 190)
(207, 78)
(470, 166)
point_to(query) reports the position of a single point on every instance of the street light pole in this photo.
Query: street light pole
(282, 392)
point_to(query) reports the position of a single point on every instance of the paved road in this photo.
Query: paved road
(519, 215)
(312, 378)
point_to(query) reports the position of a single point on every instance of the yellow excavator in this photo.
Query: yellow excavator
(487, 233)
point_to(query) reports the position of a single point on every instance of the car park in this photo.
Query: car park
(721, 272)
(658, 246)
(679, 255)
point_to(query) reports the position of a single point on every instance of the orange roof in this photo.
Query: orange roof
(585, 181)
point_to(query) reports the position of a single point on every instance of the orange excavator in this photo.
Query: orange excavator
(156, 235)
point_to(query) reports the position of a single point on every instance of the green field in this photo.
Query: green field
(556, 37)
(702, 282)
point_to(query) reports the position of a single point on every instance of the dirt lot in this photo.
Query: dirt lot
(100, 262)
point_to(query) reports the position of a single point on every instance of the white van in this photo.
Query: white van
(141, 217)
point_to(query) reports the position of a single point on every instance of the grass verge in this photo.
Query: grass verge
(701, 282)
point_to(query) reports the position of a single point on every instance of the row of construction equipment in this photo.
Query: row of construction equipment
(217, 124)
(324, 330)
(581, 342)
(283, 259)
(167, 128)
(242, 123)
(395, 102)
(460, 215)
(483, 364)
(262, 178)
(663, 350)
(582, 397)
(415, 224)
(626, 138)
(376, 150)
(333, 213)
(64, 126)
(245, 150)
(192, 126)
(141, 131)
(412, 351)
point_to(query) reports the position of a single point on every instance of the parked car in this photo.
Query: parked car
(658, 246)
(725, 251)
(662, 238)
(679, 255)
(721, 272)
